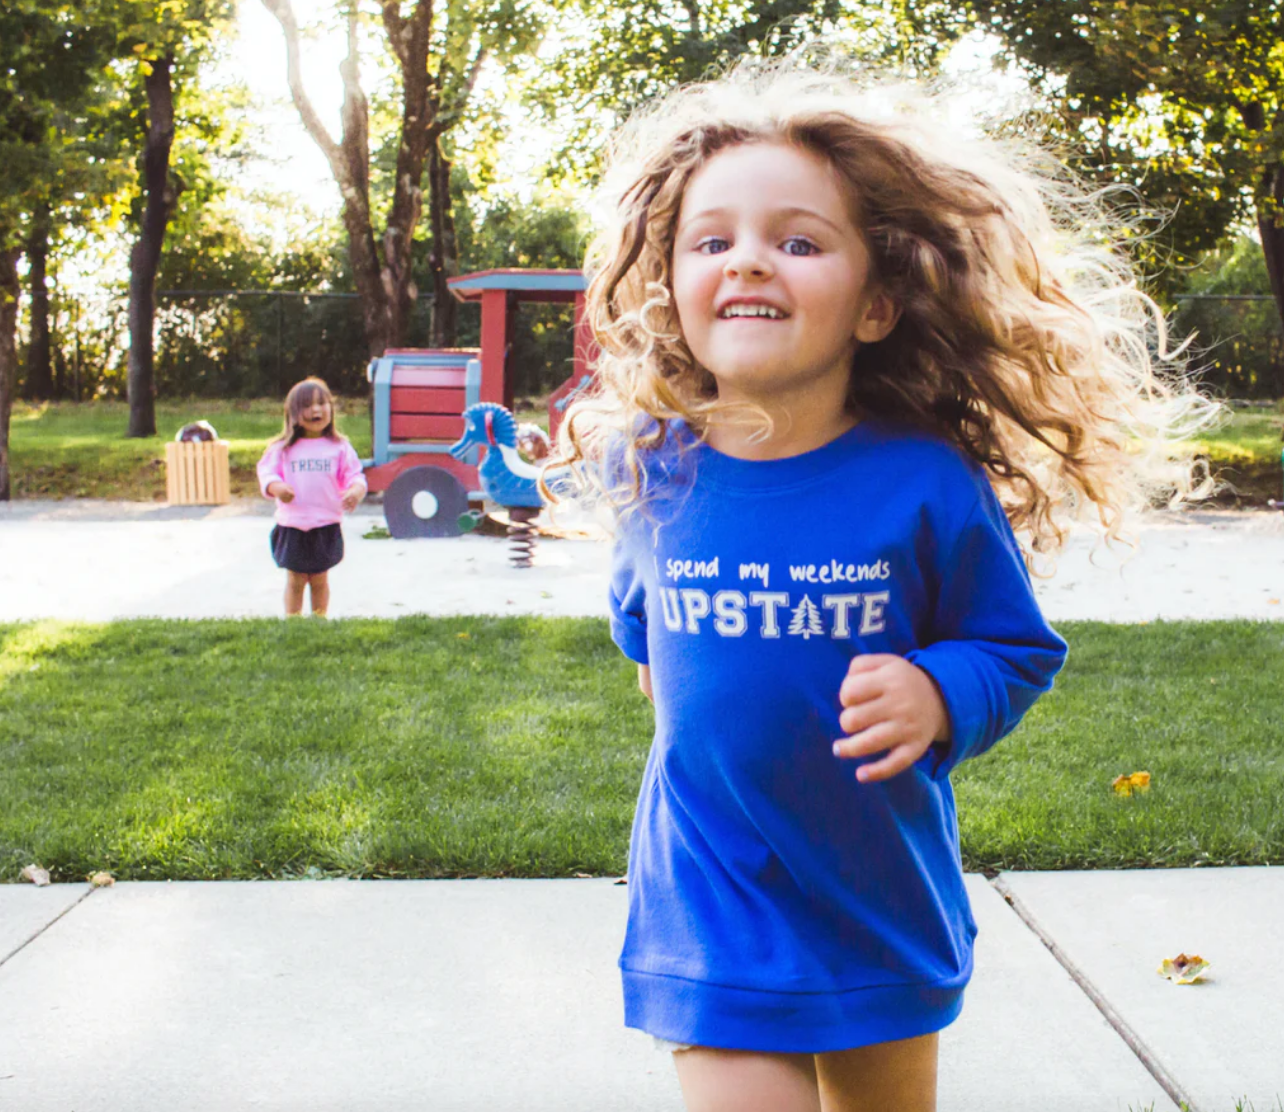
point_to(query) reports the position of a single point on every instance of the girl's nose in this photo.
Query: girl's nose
(747, 259)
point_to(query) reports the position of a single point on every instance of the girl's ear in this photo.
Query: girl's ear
(877, 320)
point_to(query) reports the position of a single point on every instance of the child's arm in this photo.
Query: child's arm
(993, 654)
(627, 600)
(271, 473)
(990, 656)
(352, 480)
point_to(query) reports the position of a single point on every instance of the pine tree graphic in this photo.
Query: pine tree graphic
(805, 621)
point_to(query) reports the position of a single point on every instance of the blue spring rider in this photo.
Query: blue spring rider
(505, 477)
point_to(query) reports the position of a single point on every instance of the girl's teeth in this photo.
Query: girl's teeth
(753, 311)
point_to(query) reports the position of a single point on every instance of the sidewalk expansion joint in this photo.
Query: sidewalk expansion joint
(1121, 1028)
(90, 890)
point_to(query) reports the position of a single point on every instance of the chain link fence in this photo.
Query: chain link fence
(239, 343)
(245, 343)
(1239, 343)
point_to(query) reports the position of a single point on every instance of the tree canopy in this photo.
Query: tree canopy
(612, 57)
(1182, 100)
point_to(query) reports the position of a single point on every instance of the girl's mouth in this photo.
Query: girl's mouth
(751, 309)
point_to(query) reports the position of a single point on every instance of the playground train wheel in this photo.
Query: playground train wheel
(425, 502)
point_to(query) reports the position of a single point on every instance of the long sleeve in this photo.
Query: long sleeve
(992, 653)
(350, 468)
(271, 467)
(627, 597)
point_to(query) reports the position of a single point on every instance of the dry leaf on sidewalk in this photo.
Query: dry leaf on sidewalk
(102, 880)
(34, 873)
(1126, 785)
(1184, 969)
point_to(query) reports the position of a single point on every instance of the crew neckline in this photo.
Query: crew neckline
(756, 474)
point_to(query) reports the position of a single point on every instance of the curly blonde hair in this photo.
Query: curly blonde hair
(1023, 339)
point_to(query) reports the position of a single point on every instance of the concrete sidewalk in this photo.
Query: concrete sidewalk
(97, 561)
(502, 996)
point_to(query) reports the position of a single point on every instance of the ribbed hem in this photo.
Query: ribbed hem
(701, 1014)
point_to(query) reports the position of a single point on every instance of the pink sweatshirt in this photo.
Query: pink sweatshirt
(318, 470)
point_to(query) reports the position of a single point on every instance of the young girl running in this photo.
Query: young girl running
(843, 354)
(314, 474)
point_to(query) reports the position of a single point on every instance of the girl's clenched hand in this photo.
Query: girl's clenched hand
(352, 496)
(280, 490)
(893, 705)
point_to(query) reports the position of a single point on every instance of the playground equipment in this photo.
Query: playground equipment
(505, 477)
(420, 396)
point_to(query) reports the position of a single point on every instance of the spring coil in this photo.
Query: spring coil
(521, 535)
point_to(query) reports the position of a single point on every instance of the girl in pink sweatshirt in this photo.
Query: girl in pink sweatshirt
(314, 475)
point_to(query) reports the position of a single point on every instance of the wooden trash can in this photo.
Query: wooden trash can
(197, 473)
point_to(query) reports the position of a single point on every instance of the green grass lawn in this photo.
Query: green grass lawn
(65, 450)
(514, 747)
(1245, 451)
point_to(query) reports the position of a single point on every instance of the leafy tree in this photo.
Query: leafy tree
(1181, 99)
(619, 55)
(439, 52)
(550, 231)
(168, 40)
(50, 57)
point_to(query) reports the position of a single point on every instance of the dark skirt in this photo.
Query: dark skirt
(307, 551)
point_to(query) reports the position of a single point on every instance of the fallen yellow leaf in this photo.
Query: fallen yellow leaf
(463, 636)
(102, 880)
(1136, 782)
(1184, 969)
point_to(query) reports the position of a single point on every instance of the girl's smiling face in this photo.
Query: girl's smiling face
(315, 415)
(771, 277)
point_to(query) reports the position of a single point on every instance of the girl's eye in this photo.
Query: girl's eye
(712, 245)
(801, 246)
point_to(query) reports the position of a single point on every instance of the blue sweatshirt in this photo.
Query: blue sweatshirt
(776, 903)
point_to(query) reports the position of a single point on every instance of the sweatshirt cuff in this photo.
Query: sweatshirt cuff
(631, 640)
(965, 704)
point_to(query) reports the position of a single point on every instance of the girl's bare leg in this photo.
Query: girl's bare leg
(319, 584)
(895, 1076)
(295, 584)
(742, 1081)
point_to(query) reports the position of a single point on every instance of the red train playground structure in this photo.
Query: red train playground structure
(419, 396)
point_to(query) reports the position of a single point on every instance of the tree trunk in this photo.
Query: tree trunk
(1270, 225)
(160, 192)
(410, 41)
(8, 355)
(61, 383)
(443, 260)
(364, 258)
(450, 255)
(38, 382)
